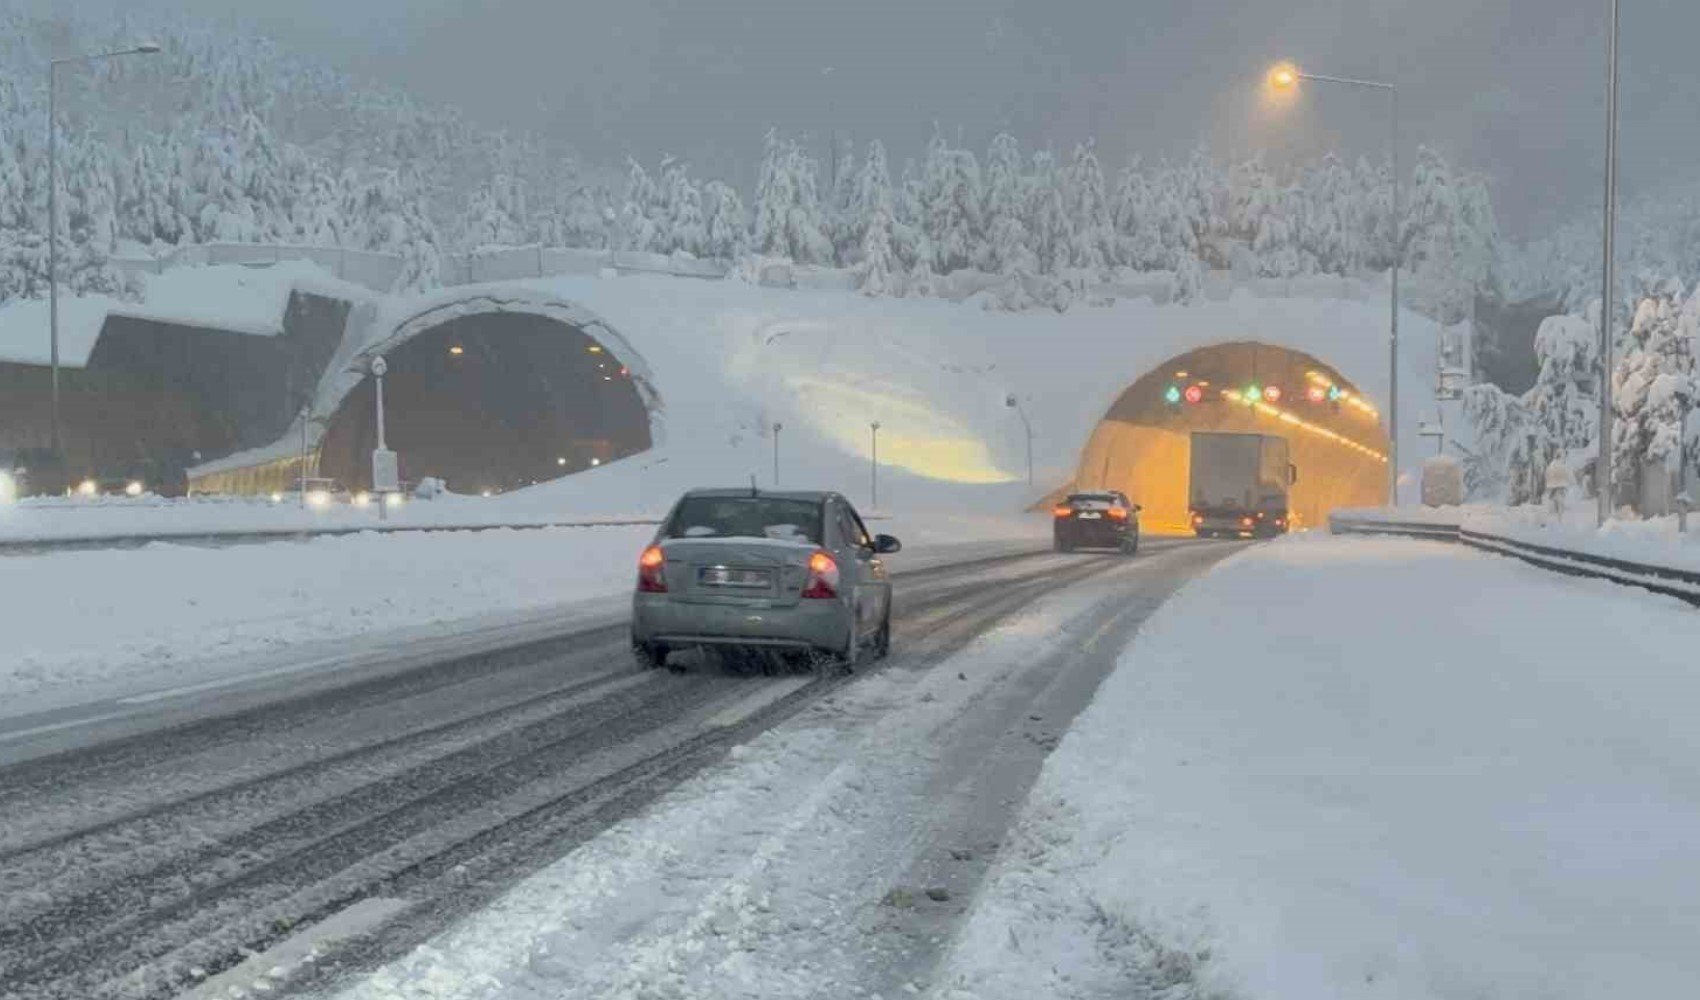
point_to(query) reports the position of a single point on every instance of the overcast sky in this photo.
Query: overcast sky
(1513, 88)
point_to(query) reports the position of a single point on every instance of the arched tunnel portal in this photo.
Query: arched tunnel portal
(1142, 446)
(493, 401)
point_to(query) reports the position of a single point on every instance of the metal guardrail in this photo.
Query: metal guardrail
(1667, 580)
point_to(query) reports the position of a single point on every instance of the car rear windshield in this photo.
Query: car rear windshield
(747, 517)
(1090, 499)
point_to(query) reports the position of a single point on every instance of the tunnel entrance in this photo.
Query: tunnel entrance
(491, 402)
(1143, 444)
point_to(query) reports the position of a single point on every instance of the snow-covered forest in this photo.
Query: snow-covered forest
(229, 138)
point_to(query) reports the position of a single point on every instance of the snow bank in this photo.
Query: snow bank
(1654, 542)
(1409, 771)
(82, 624)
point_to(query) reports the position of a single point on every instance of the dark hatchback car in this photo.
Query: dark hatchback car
(1105, 520)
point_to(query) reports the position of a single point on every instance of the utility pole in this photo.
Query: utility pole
(777, 427)
(1602, 464)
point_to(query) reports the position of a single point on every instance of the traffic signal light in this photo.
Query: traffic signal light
(1316, 394)
(1252, 393)
(1334, 394)
(1195, 394)
(1272, 393)
(1172, 395)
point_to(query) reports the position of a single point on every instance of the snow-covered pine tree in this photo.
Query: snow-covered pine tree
(908, 229)
(789, 222)
(842, 224)
(1563, 405)
(727, 224)
(950, 204)
(1498, 466)
(1092, 242)
(682, 226)
(877, 268)
(1133, 213)
(1203, 195)
(1333, 234)
(1653, 387)
(640, 229)
(1005, 244)
(1048, 221)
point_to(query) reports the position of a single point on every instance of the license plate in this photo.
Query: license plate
(1087, 515)
(726, 576)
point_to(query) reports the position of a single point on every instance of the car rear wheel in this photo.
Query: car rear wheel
(1062, 546)
(1130, 545)
(851, 654)
(649, 655)
(882, 641)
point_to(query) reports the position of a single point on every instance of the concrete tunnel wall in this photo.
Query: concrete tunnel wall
(1143, 446)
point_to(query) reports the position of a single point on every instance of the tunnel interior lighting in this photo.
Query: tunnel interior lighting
(595, 348)
(1180, 375)
(595, 462)
(1172, 395)
(457, 350)
(561, 460)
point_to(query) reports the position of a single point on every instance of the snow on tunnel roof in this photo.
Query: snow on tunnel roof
(234, 298)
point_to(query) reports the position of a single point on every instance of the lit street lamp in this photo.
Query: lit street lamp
(1285, 77)
(1015, 404)
(146, 48)
(874, 474)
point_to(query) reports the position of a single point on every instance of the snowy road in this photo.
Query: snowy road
(142, 867)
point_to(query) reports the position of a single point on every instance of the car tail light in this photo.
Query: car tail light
(651, 571)
(1117, 513)
(1245, 521)
(1061, 511)
(823, 577)
(1198, 519)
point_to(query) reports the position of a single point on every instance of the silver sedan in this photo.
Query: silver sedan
(792, 571)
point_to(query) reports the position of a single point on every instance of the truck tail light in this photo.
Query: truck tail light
(652, 577)
(823, 577)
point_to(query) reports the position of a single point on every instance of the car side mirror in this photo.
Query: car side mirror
(885, 545)
(1138, 507)
(1292, 475)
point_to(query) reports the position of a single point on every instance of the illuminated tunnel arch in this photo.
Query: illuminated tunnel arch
(495, 392)
(1142, 444)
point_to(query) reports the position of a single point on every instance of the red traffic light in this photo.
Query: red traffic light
(1316, 394)
(1195, 394)
(1272, 393)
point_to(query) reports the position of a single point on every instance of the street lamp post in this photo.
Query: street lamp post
(386, 477)
(146, 48)
(1286, 77)
(874, 472)
(777, 427)
(1602, 464)
(1015, 404)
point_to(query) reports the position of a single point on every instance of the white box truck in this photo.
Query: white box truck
(1238, 485)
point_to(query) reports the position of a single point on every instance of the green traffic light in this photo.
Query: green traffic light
(1172, 394)
(1253, 394)
(1334, 394)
